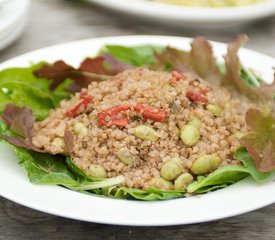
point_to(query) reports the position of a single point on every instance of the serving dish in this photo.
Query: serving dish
(203, 18)
(239, 198)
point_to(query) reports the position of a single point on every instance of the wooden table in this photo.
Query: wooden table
(58, 21)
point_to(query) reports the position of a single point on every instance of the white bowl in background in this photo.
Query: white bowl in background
(13, 18)
(191, 16)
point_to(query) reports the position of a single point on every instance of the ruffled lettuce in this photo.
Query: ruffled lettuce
(20, 121)
(199, 61)
(260, 140)
(91, 69)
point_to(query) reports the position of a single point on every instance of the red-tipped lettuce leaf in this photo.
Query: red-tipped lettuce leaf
(203, 60)
(233, 68)
(199, 61)
(57, 71)
(115, 66)
(260, 141)
(93, 65)
(91, 69)
(173, 59)
(268, 91)
(20, 120)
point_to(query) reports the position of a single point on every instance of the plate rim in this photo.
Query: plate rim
(121, 221)
(189, 14)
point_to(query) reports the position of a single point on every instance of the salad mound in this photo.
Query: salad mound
(144, 122)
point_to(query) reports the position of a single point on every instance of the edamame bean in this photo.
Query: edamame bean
(161, 183)
(183, 181)
(171, 169)
(97, 171)
(80, 128)
(238, 134)
(205, 164)
(153, 102)
(214, 109)
(146, 133)
(227, 105)
(126, 157)
(59, 142)
(167, 87)
(190, 135)
(195, 122)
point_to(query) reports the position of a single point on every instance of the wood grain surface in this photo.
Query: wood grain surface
(57, 21)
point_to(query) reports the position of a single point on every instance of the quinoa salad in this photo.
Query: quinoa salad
(143, 122)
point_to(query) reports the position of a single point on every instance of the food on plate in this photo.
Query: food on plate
(134, 126)
(143, 122)
(211, 3)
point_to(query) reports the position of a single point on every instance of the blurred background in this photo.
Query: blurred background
(28, 25)
(42, 23)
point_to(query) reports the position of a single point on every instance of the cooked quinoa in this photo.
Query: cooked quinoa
(96, 143)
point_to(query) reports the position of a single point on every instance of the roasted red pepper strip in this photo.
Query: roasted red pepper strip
(176, 77)
(83, 94)
(118, 122)
(150, 112)
(86, 99)
(197, 97)
(202, 90)
(112, 113)
(206, 90)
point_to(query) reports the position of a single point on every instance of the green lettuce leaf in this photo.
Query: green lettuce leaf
(75, 169)
(149, 194)
(26, 95)
(49, 169)
(24, 75)
(80, 174)
(124, 192)
(137, 56)
(220, 178)
(43, 168)
(243, 156)
(21, 87)
(228, 175)
(250, 77)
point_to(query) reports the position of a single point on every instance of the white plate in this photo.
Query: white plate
(191, 16)
(239, 198)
